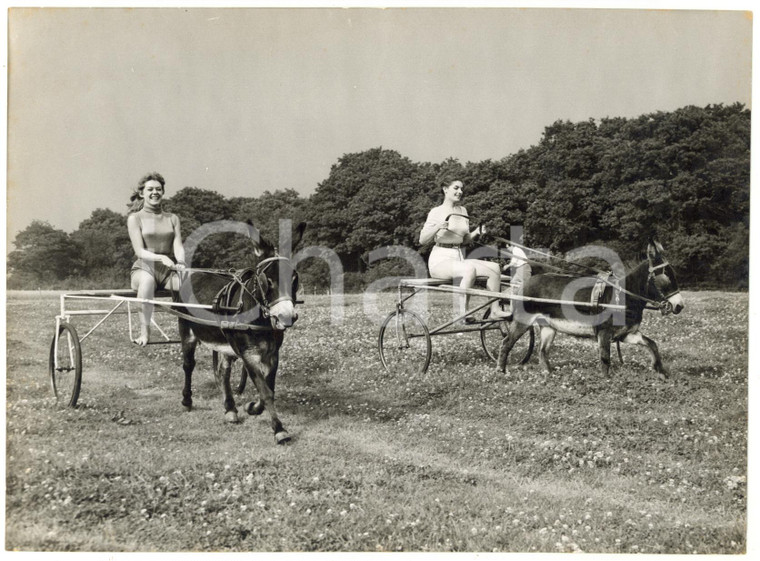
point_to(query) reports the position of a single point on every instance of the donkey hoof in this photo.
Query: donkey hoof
(231, 417)
(254, 408)
(187, 408)
(282, 437)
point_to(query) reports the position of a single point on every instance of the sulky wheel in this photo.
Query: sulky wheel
(65, 365)
(491, 336)
(243, 373)
(404, 343)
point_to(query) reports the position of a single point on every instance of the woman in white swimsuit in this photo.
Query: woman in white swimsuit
(155, 235)
(448, 227)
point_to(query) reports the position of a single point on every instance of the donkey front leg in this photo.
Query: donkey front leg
(257, 407)
(262, 370)
(189, 343)
(254, 407)
(639, 338)
(604, 338)
(222, 374)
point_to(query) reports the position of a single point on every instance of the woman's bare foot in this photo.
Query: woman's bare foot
(144, 337)
(498, 313)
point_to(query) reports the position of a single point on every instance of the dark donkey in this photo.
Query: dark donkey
(251, 308)
(650, 284)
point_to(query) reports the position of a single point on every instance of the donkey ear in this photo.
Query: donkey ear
(265, 247)
(651, 249)
(261, 246)
(253, 232)
(298, 234)
(654, 241)
(654, 249)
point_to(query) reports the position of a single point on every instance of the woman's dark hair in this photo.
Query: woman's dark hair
(448, 172)
(135, 200)
(446, 178)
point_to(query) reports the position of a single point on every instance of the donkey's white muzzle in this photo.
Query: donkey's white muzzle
(283, 315)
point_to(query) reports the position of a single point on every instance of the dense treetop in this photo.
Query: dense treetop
(683, 175)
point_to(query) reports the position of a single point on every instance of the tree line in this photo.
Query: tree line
(683, 175)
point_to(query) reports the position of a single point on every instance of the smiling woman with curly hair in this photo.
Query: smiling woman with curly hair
(155, 235)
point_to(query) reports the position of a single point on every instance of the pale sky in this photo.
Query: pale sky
(246, 100)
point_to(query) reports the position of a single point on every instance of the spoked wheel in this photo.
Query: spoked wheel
(243, 372)
(492, 334)
(65, 366)
(404, 343)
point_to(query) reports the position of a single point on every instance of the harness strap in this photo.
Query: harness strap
(261, 268)
(224, 325)
(262, 265)
(599, 287)
(223, 301)
(652, 275)
(636, 296)
(229, 299)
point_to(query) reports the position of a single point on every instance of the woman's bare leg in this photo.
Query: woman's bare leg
(492, 273)
(468, 270)
(145, 285)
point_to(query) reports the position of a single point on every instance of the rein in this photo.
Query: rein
(663, 305)
(257, 294)
(588, 267)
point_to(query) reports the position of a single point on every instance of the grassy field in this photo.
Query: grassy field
(461, 458)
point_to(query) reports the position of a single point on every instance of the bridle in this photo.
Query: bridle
(664, 303)
(262, 285)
